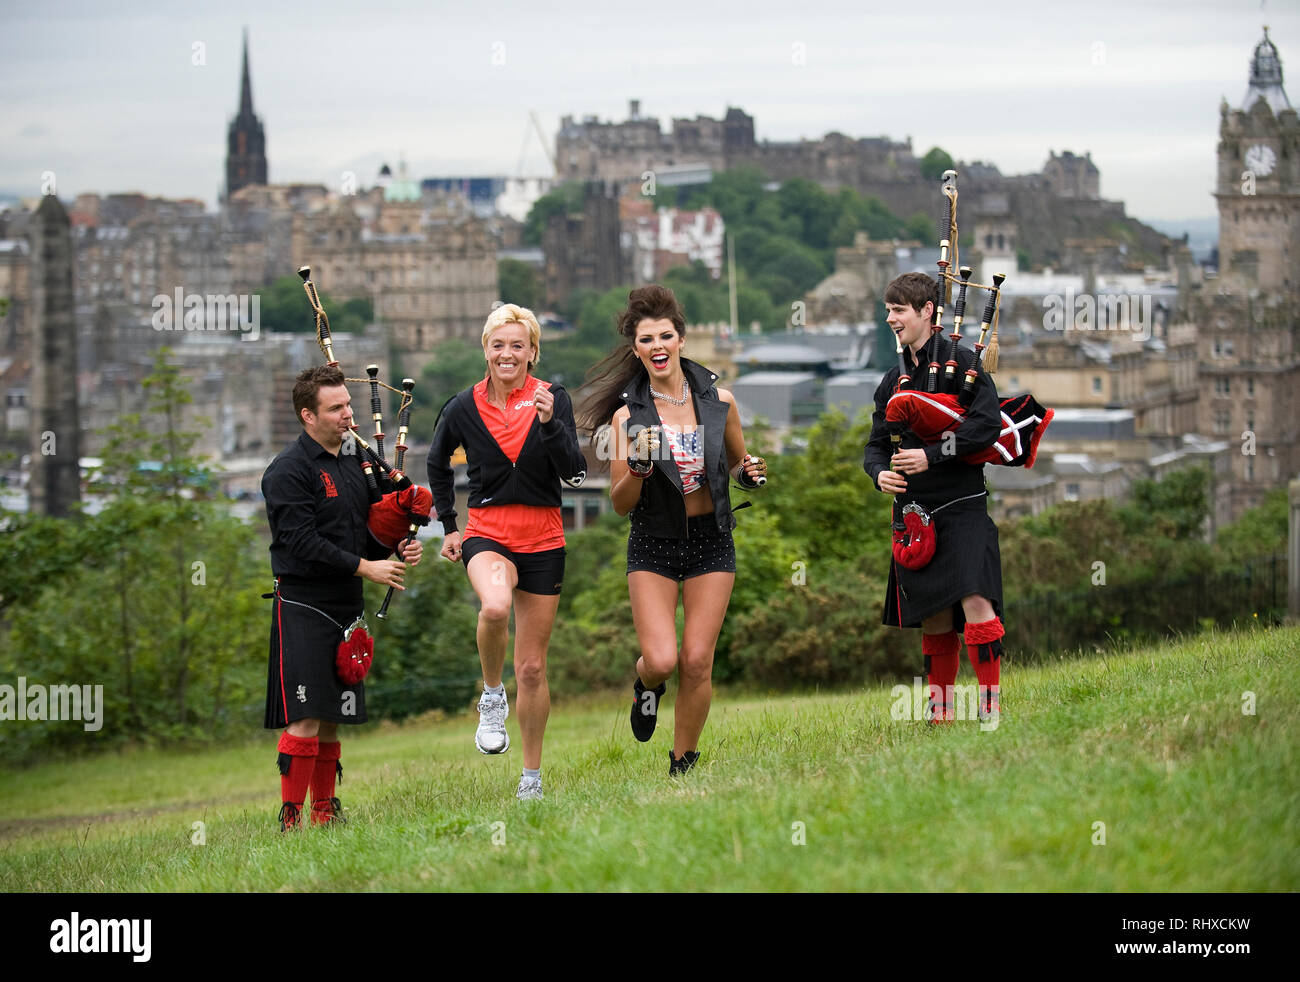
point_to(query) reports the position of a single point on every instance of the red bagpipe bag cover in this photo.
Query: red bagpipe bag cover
(930, 414)
(391, 516)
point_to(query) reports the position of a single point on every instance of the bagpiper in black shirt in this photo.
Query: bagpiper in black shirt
(317, 506)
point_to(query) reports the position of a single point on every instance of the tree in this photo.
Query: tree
(568, 198)
(934, 163)
(39, 550)
(161, 607)
(824, 501)
(920, 227)
(1259, 531)
(814, 209)
(1177, 506)
(517, 283)
(163, 469)
(284, 307)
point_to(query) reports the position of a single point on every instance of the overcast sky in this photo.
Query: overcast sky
(109, 97)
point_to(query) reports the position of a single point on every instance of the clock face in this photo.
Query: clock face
(1261, 159)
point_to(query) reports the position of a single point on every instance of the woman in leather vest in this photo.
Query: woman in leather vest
(674, 441)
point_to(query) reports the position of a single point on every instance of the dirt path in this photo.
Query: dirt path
(16, 828)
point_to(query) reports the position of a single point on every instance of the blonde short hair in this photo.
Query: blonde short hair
(509, 313)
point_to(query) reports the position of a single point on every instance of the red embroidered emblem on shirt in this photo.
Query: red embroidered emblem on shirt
(330, 490)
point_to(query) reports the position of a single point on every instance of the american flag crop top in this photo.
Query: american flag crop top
(689, 455)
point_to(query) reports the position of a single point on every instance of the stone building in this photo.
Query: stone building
(659, 239)
(615, 151)
(428, 265)
(1072, 176)
(585, 252)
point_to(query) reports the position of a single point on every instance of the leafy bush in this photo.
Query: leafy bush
(827, 632)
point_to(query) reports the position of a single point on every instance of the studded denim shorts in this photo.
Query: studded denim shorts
(704, 550)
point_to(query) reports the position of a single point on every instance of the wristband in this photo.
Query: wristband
(636, 467)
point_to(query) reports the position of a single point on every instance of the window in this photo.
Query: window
(1222, 420)
(1223, 386)
(1072, 492)
(1096, 384)
(1015, 381)
(1250, 386)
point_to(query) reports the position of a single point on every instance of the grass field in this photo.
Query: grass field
(1194, 794)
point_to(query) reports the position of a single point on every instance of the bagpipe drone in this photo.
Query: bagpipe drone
(398, 507)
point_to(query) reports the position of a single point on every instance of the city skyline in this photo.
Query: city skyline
(140, 100)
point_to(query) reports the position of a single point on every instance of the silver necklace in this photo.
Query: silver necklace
(669, 399)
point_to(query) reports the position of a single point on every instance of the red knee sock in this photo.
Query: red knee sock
(984, 649)
(942, 659)
(296, 761)
(322, 781)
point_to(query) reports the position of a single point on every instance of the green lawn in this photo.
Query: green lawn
(1194, 795)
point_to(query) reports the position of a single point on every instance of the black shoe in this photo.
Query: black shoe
(645, 709)
(682, 764)
(288, 816)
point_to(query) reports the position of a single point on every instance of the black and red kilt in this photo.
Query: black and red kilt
(301, 681)
(966, 561)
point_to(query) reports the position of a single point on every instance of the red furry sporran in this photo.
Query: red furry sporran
(356, 652)
(914, 538)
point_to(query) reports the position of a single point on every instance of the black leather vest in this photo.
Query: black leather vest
(661, 509)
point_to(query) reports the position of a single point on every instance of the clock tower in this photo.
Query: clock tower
(1248, 334)
(1259, 181)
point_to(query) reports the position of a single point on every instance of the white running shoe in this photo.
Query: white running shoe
(491, 736)
(529, 789)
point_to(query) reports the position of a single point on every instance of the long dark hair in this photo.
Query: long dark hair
(608, 379)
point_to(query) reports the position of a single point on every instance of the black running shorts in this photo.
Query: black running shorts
(539, 572)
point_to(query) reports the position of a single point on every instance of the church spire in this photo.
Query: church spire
(245, 85)
(245, 140)
(1266, 78)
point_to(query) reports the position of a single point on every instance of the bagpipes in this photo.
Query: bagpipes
(934, 410)
(940, 406)
(398, 507)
